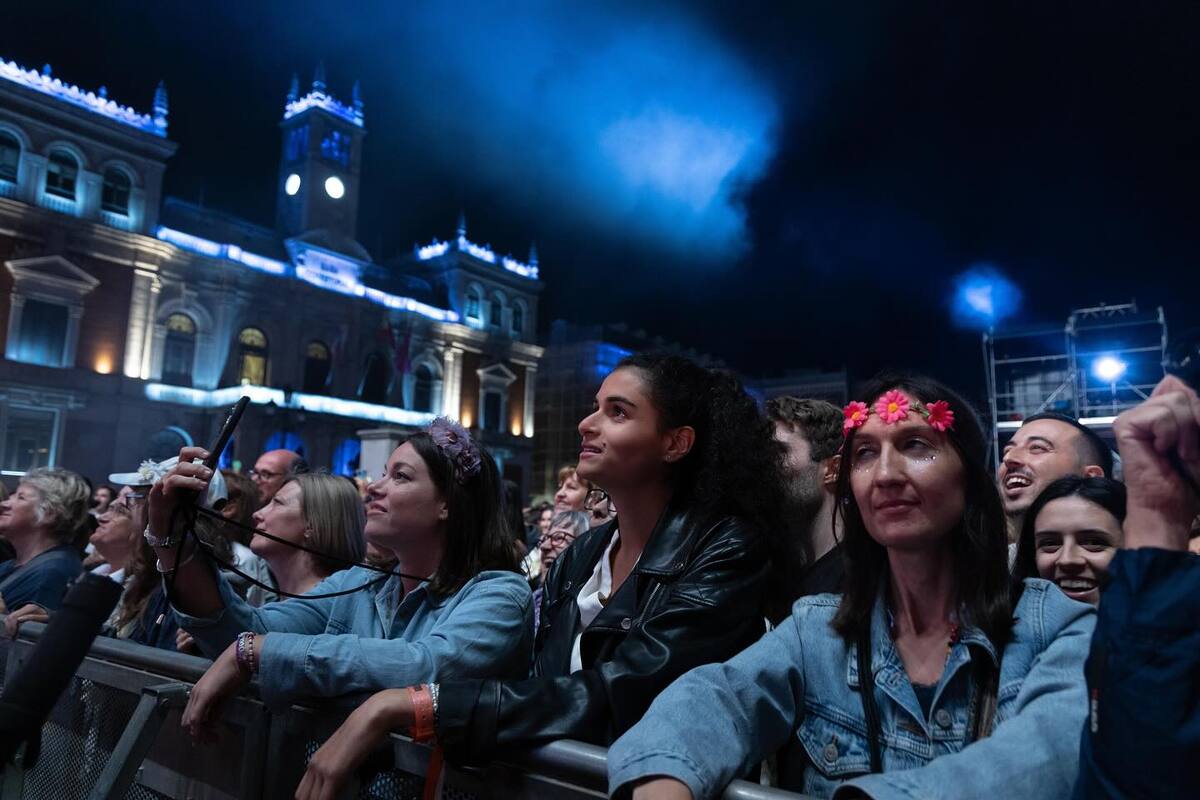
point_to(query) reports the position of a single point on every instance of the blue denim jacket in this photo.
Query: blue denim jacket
(377, 639)
(717, 721)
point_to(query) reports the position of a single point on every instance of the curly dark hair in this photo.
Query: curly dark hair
(735, 467)
(979, 544)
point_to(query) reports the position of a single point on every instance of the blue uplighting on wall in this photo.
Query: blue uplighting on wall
(261, 395)
(319, 278)
(96, 102)
(284, 440)
(345, 457)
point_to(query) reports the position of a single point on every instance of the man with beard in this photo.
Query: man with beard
(810, 556)
(1045, 448)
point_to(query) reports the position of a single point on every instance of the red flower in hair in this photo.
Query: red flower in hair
(892, 407)
(855, 414)
(940, 417)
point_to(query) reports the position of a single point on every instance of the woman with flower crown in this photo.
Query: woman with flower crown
(929, 677)
(454, 607)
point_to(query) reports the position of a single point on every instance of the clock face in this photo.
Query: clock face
(292, 184)
(334, 187)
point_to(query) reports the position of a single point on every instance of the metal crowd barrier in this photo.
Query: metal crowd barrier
(115, 734)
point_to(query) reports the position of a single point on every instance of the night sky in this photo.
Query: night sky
(782, 186)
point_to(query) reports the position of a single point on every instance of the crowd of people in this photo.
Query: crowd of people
(844, 602)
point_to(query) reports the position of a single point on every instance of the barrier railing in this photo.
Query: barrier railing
(115, 733)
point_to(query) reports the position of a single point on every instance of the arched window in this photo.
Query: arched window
(423, 389)
(316, 367)
(474, 301)
(114, 196)
(10, 156)
(285, 440)
(252, 357)
(62, 170)
(373, 388)
(518, 319)
(179, 350)
(166, 443)
(495, 311)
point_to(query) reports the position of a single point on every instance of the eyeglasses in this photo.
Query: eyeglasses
(263, 475)
(596, 497)
(556, 537)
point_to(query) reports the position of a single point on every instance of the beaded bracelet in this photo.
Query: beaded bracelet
(244, 652)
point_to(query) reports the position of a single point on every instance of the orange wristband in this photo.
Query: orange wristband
(422, 703)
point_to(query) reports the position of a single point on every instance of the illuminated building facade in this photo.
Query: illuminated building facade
(130, 322)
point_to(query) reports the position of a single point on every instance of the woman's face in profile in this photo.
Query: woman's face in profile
(622, 443)
(907, 480)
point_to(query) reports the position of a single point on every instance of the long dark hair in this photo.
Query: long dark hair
(476, 533)
(978, 544)
(735, 465)
(1104, 492)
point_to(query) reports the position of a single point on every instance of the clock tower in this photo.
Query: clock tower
(319, 165)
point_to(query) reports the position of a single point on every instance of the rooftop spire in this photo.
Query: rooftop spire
(356, 97)
(462, 224)
(294, 89)
(533, 258)
(160, 106)
(318, 84)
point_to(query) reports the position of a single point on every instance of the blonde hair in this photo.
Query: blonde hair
(569, 471)
(334, 513)
(63, 498)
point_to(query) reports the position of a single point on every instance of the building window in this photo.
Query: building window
(62, 170)
(493, 411)
(336, 148)
(166, 443)
(43, 335)
(316, 367)
(29, 438)
(297, 143)
(473, 303)
(114, 196)
(518, 320)
(496, 311)
(252, 357)
(373, 388)
(285, 440)
(423, 389)
(10, 156)
(179, 350)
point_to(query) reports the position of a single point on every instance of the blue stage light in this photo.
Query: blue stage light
(1108, 368)
(983, 296)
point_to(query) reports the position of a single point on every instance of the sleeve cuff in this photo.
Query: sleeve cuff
(281, 667)
(662, 763)
(213, 634)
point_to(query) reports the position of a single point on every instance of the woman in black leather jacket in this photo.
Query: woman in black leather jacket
(677, 580)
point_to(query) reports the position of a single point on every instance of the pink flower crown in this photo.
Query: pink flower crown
(456, 444)
(894, 406)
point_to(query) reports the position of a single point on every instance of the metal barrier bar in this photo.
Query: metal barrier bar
(154, 753)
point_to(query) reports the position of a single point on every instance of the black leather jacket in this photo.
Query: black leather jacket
(695, 597)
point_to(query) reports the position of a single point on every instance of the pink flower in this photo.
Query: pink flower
(892, 407)
(855, 414)
(940, 416)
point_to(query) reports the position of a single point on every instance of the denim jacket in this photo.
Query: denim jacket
(377, 639)
(716, 722)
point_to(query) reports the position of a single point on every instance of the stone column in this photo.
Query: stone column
(530, 381)
(143, 302)
(12, 343)
(452, 381)
(74, 315)
(32, 175)
(377, 445)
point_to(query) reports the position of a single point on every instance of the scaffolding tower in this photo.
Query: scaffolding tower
(1104, 360)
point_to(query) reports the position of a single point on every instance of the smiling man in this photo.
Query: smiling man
(1045, 448)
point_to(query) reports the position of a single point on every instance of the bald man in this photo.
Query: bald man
(272, 469)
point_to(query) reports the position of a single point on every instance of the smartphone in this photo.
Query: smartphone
(231, 422)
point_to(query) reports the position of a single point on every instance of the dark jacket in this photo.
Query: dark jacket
(1142, 738)
(695, 596)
